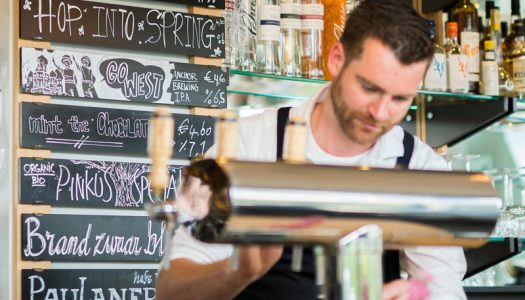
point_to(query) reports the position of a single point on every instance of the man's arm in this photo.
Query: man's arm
(187, 279)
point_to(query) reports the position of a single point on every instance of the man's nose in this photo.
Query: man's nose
(379, 108)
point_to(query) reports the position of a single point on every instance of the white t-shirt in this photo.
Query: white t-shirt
(257, 142)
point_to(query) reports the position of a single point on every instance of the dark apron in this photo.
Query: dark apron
(281, 283)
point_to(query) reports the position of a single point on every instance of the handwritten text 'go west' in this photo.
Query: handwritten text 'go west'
(89, 245)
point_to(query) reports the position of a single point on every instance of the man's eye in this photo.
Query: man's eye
(369, 88)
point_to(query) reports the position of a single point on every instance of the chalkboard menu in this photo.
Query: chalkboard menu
(89, 284)
(91, 238)
(204, 3)
(90, 183)
(107, 131)
(97, 76)
(123, 27)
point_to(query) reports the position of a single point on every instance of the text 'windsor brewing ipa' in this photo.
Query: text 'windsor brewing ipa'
(268, 36)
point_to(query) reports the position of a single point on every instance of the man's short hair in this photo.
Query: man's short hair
(393, 22)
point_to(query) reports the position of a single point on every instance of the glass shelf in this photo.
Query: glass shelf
(298, 88)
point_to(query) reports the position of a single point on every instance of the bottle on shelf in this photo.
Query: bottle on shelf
(290, 51)
(312, 26)
(334, 25)
(495, 33)
(515, 13)
(470, 45)
(486, 29)
(508, 44)
(436, 76)
(457, 61)
(230, 56)
(268, 36)
(246, 33)
(461, 13)
(516, 53)
(489, 71)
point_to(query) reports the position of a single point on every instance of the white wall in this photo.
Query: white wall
(5, 148)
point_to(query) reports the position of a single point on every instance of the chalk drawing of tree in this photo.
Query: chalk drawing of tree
(123, 176)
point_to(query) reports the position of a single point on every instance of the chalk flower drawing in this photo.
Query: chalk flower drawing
(141, 26)
(81, 30)
(217, 51)
(27, 5)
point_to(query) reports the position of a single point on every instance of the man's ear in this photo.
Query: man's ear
(336, 59)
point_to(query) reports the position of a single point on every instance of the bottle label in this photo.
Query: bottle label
(312, 16)
(518, 73)
(246, 10)
(290, 9)
(436, 76)
(458, 73)
(290, 16)
(470, 46)
(490, 78)
(269, 23)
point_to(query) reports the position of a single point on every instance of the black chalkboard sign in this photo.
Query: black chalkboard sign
(89, 284)
(203, 3)
(107, 131)
(122, 27)
(91, 238)
(99, 76)
(90, 183)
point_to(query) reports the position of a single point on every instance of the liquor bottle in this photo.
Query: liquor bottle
(470, 46)
(517, 26)
(245, 40)
(291, 38)
(268, 36)
(517, 55)
(495, 33)
(457, 61)
(486, 29)
(515, 11)
(460, 14)
(312, 26)
(436, 76)
(489, 71)
(334, 23)
(230, 57)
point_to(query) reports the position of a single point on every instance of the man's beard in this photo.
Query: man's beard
(348, 119)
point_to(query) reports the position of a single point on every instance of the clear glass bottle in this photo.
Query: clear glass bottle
(436, 76)
(230, 56)
(457, 61)
(245, 38)
(489, 71)
(268, 36)
(290, 51)
(486, 30)
(312, 26)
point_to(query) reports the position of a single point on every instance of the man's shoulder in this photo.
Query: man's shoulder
(425, 157)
